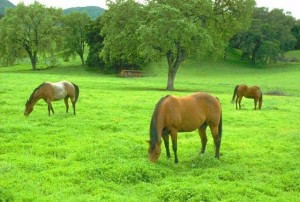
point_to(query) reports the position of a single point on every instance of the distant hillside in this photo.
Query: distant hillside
(5, 4)
(92, 11)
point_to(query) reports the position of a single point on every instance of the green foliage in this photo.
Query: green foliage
(120, 23)
(75, 28)
(30, 31)
(95, 43)
(268, 38)
(296, 33)
(101, 154)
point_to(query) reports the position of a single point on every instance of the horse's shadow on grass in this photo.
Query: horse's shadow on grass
(196, 161)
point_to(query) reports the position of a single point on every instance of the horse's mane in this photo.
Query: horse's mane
(153, 131)
(31, 96)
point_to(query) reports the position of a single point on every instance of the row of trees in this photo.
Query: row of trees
(129, 34)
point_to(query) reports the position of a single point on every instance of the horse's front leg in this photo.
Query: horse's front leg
(66, 103)
(165, 136)
(203, 137)
(174, 143)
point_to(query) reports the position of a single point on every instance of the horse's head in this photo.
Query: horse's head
(154, 151)
(28, 108)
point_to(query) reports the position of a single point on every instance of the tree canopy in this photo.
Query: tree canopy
(30, 30)
(268, 37)
(120, 23)
(95, 44)
(75, 25)
(174, 29)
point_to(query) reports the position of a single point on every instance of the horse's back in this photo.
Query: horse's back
(61, 89)
(248, 91)
(208, 105)
(190, 112)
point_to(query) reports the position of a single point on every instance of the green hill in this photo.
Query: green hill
(5, 4)
(92, 11)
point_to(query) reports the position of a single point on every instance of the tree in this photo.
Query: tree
(175, 29)
(296, 34)
(120, 23)
(95, 43)
(75, 34)
(268, 37)
(30, 30)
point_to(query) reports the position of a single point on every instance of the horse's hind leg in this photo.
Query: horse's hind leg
(259, 103)
(217, 139)
(239, 101)
(66, 103)
(203, 137)
(255, 103)
(73, 104)
(165, 136)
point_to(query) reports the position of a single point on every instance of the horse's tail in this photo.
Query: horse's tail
(234, 93)
(220, 123)
(76, 92)
(220, 127)
(153, 125)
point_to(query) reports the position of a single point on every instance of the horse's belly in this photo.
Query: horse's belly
(189, 126)
(249, 96)
(58, 95)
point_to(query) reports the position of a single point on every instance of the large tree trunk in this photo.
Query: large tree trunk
(32, 56)
(171, 79)
(174, 63)
(82, 59)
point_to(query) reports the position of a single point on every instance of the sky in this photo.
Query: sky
(286, 5)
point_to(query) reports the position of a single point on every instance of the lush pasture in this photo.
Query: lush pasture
(101, 154)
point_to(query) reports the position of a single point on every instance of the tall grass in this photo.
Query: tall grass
(101, 153)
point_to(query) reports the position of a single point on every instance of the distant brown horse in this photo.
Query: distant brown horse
(52, 92)
(253, 92)
(184, 114)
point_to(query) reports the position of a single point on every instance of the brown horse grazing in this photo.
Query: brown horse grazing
(253, 92)
(184, 114)
(52, 92)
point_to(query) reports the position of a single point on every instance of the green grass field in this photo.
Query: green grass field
(101, 153)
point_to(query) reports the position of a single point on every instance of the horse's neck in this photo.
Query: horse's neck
(36, 97)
